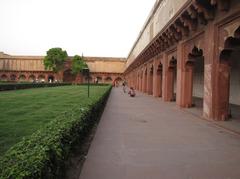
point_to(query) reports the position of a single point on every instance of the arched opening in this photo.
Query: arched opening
(228, 100)
(172, 79)
(4, 77)
(118, 81)
(159, 80)
(13, 77)
(145, 81)
(41, 78)
(195, 68)
(51, 78)
(68, 76)
(99, 79)
(141, 81)
(32, 78)
(108, 80)
(150, 81)
(86, 79)
(22, 78)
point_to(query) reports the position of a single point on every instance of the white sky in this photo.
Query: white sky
(92, 27)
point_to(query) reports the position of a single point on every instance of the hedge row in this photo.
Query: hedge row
(42, 155)
(95, 84)
(15, 86)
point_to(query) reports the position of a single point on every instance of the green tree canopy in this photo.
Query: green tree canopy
(55, 59)
(78, 64)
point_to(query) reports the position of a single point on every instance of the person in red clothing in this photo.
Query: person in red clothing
(132, 92)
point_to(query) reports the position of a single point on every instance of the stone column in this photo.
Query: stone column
(145, 80)
(164, 77)
(137, 80)
(187, 86)
(180, 64)
(168, 80)
(141, 81)
(170, 84)
(222, 92)
(155, 78)
(209, 71)
(46, 77)
(148, 80)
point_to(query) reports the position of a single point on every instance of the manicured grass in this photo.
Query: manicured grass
(24, 111)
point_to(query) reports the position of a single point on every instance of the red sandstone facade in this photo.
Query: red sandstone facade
(201, 42)
(27, 68)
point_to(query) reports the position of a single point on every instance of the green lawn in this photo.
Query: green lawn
(24, 111)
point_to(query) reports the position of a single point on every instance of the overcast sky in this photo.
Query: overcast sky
(91, 27)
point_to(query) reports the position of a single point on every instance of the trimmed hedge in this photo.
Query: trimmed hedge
(15, 86)
(95, 84)
(42, 155)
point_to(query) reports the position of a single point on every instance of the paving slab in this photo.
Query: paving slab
(145, 138)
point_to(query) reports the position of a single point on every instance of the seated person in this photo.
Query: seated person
(132, 92)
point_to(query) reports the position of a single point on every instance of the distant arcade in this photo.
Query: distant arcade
(31, 69)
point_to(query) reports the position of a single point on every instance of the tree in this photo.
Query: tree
(78, 64)
(55, 59)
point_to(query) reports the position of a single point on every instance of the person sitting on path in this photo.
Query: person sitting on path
(124, 87)
(132, 92)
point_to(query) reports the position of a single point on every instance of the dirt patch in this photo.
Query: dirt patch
(78, 155)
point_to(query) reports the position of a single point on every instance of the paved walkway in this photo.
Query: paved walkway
(145, 138)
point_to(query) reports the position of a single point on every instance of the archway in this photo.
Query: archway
(32, 78)
(13, 77)
(51, 78)
(4, 77)
(172, 79)
(68, 76)
(22, 78)
(118, 81)
(145, 81)
(195, 81)
(150, 80)
(108, 80)
(228, 99)
(99, 79)
(159, 80)
(141, 80)
(86, 79)
(41, 78)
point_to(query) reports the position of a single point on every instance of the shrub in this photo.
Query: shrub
(15, 86)
(42, 155)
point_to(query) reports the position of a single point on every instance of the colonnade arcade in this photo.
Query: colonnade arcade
(194, 61)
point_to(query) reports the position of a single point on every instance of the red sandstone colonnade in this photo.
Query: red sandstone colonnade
(195, 61)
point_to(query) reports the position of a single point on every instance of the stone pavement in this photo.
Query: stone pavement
(145, 138)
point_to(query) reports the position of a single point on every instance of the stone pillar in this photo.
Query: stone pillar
(142, 81)
(164, 77)
(155, 78)
(222, 92)
(188, 86)
(168, 80)
(180, 64)
(149, 80)
(209, 71)
(151, 83)
(170, 84)
(145, 81)
(46, 77)
(137, 81)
